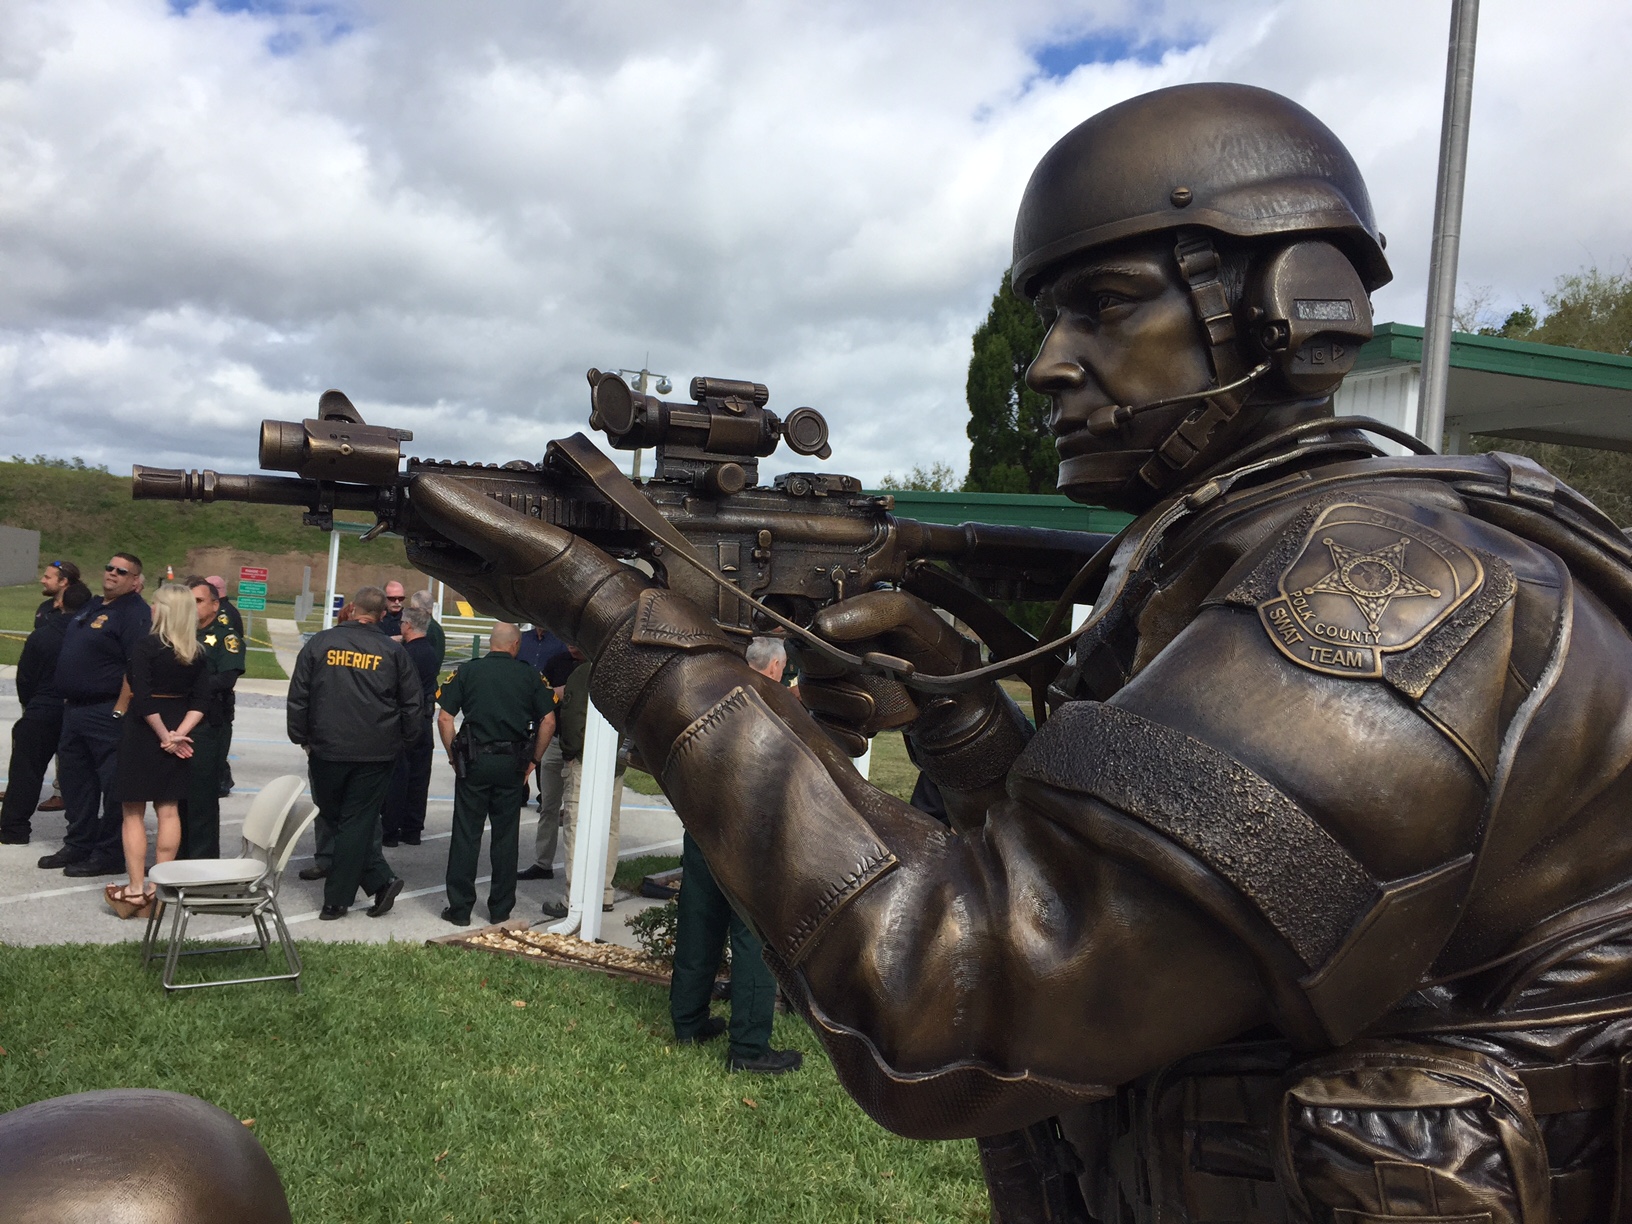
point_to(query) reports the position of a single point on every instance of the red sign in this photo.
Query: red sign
(251, 573)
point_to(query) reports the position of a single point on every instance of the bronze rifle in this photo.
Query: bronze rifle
(804, 541)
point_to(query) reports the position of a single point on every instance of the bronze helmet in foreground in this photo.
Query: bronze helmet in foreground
(1268, 222)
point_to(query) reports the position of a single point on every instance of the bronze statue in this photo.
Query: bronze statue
(1308, 900)
(128, 1154)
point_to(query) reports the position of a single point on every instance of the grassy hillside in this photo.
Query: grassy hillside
(85, 515)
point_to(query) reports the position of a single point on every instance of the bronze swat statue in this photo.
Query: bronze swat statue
(1310, 899)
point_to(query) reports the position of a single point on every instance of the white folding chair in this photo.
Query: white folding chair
(246, 887)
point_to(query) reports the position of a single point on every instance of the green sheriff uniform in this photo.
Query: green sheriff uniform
(503, 701)
(227, 620)
(201, 810)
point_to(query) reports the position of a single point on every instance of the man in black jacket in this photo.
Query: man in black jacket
(404, 813)
(354, 703)
(96, 651)
(34, 736)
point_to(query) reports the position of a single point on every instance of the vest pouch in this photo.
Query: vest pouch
(1384, 1132)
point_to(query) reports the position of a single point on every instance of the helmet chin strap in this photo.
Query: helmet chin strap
(1199, 265)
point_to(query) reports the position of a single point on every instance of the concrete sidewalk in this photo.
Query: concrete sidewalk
(46, 907)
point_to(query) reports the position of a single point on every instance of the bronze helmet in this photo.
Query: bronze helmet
(1201, 162)
(1231, 158)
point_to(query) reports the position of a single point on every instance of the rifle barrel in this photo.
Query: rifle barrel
(978, 544)
(179, 484)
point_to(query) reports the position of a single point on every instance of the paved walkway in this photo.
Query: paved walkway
(286, 642)
(45, 907)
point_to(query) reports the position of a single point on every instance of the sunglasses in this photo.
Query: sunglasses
(116, 569)
(395, 598)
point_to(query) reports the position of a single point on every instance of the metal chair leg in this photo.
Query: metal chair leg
(291, 954)
(178, 929)
(154, 920)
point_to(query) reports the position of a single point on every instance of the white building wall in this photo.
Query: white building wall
(1387, 394)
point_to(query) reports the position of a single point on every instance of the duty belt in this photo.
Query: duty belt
(499, 748)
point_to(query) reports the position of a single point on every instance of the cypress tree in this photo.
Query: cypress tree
(1010, 448)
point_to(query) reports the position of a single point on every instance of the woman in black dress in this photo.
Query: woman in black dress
(169, 684)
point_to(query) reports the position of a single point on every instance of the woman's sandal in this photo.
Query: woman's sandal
(126, 904)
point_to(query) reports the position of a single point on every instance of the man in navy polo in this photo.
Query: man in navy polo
(95, 654)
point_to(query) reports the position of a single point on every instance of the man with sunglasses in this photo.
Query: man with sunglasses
(396, 596)
(96, 653)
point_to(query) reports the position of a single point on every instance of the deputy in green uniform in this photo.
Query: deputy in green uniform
(224, 661)
(509, 719)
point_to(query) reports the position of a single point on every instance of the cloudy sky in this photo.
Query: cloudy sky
(209, 212)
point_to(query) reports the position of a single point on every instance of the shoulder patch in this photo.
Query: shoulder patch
(232, 643)
(1365, 583)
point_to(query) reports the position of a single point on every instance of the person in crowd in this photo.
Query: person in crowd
(55, 580)
(169, 692)
(572, 716)
(509, 719)
(97, 648)
(322, 830)
(391, 622)
(705, 919)
(433, 631)
(228, 620)
(223, 652)
(549, 655)
(34, 736)
(231, 618)
(353, 704)
(404, 813)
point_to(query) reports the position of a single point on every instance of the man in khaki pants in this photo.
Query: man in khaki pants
(570, 719)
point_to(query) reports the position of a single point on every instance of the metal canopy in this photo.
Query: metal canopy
(1502, 388)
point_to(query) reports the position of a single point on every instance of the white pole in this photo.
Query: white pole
(436, 612)
(864, 763)
(334, 578)
(1453, 165)
(589, 846)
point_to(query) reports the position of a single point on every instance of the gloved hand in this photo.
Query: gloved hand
(853, 708)
(514, 566)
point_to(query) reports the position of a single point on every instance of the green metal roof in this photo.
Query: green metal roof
(1396, 342)
(1005, 509)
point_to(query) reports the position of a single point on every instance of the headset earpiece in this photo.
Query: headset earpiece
(1308, 312)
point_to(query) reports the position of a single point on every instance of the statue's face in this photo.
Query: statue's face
(1121, 331)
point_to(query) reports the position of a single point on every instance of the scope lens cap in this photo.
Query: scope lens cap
(806, 431)
(614, 405)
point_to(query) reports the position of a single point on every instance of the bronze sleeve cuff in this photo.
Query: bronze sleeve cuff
(783, 840)
(979, 756)
(661, 627)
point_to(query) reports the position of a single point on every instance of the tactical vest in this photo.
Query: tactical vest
(1382, 1094)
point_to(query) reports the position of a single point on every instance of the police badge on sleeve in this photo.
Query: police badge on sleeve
(1364, 584)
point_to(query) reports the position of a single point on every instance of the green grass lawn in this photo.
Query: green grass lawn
(17, 604)
(84, 516)
(429, 1084)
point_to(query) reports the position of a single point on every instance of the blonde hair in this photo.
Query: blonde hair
(175, 619)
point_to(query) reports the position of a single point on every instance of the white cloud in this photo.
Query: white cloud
(451, 211)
